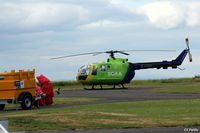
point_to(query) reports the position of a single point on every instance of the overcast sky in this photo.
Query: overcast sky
(31, 32)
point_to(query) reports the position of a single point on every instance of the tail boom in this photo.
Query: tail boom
(163, 64)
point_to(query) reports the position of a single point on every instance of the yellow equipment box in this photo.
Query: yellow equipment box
(17, 87)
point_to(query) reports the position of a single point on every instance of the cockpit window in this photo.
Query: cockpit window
(94, 70)
(85, 69)
(103, 68)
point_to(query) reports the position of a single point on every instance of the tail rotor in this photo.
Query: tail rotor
(188, 48)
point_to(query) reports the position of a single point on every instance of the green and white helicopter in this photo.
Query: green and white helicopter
(118, 71)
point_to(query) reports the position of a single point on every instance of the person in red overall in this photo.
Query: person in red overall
(47, 88)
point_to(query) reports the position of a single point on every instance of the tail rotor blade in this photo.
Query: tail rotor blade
(190, 57)
(187, 43)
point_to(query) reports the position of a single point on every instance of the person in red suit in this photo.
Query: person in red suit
(47, 88)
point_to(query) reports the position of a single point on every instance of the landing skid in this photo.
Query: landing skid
(101, 88)
(123, 87)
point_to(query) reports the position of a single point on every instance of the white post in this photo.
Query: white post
(3, 130)
(4, 123)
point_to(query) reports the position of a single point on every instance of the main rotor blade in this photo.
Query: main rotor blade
(76, 55)
(122, 52)
(97, 53)
(149, 50)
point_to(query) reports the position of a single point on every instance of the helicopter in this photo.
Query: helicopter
(118, 71)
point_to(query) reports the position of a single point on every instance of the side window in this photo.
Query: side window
(103, 68)
(116, 67)
(108, 67)
(94, 70)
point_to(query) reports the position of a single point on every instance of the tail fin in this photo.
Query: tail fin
(179, 60)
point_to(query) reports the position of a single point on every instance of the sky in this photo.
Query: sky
(33, 31)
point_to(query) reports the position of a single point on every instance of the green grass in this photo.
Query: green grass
(74, 85)
(188, 89)
(163, 113)
(163, 82)
(60, 100)
(65, 83)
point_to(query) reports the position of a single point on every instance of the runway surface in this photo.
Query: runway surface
(131, 94)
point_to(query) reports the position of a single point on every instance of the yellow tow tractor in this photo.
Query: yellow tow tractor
(17, 88)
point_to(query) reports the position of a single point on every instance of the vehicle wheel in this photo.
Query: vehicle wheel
(2, 106)
(26, 102)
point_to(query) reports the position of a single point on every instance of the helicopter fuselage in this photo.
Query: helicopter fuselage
(118, 71)
(114, 71)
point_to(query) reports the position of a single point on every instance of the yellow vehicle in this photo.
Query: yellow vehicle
(17, 87)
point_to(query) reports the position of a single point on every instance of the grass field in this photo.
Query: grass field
(188, 89)
(74, 85)
(164, 113)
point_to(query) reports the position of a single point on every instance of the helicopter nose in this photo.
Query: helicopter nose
(82, 77)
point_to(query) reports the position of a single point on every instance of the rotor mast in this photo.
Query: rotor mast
(111, 52)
